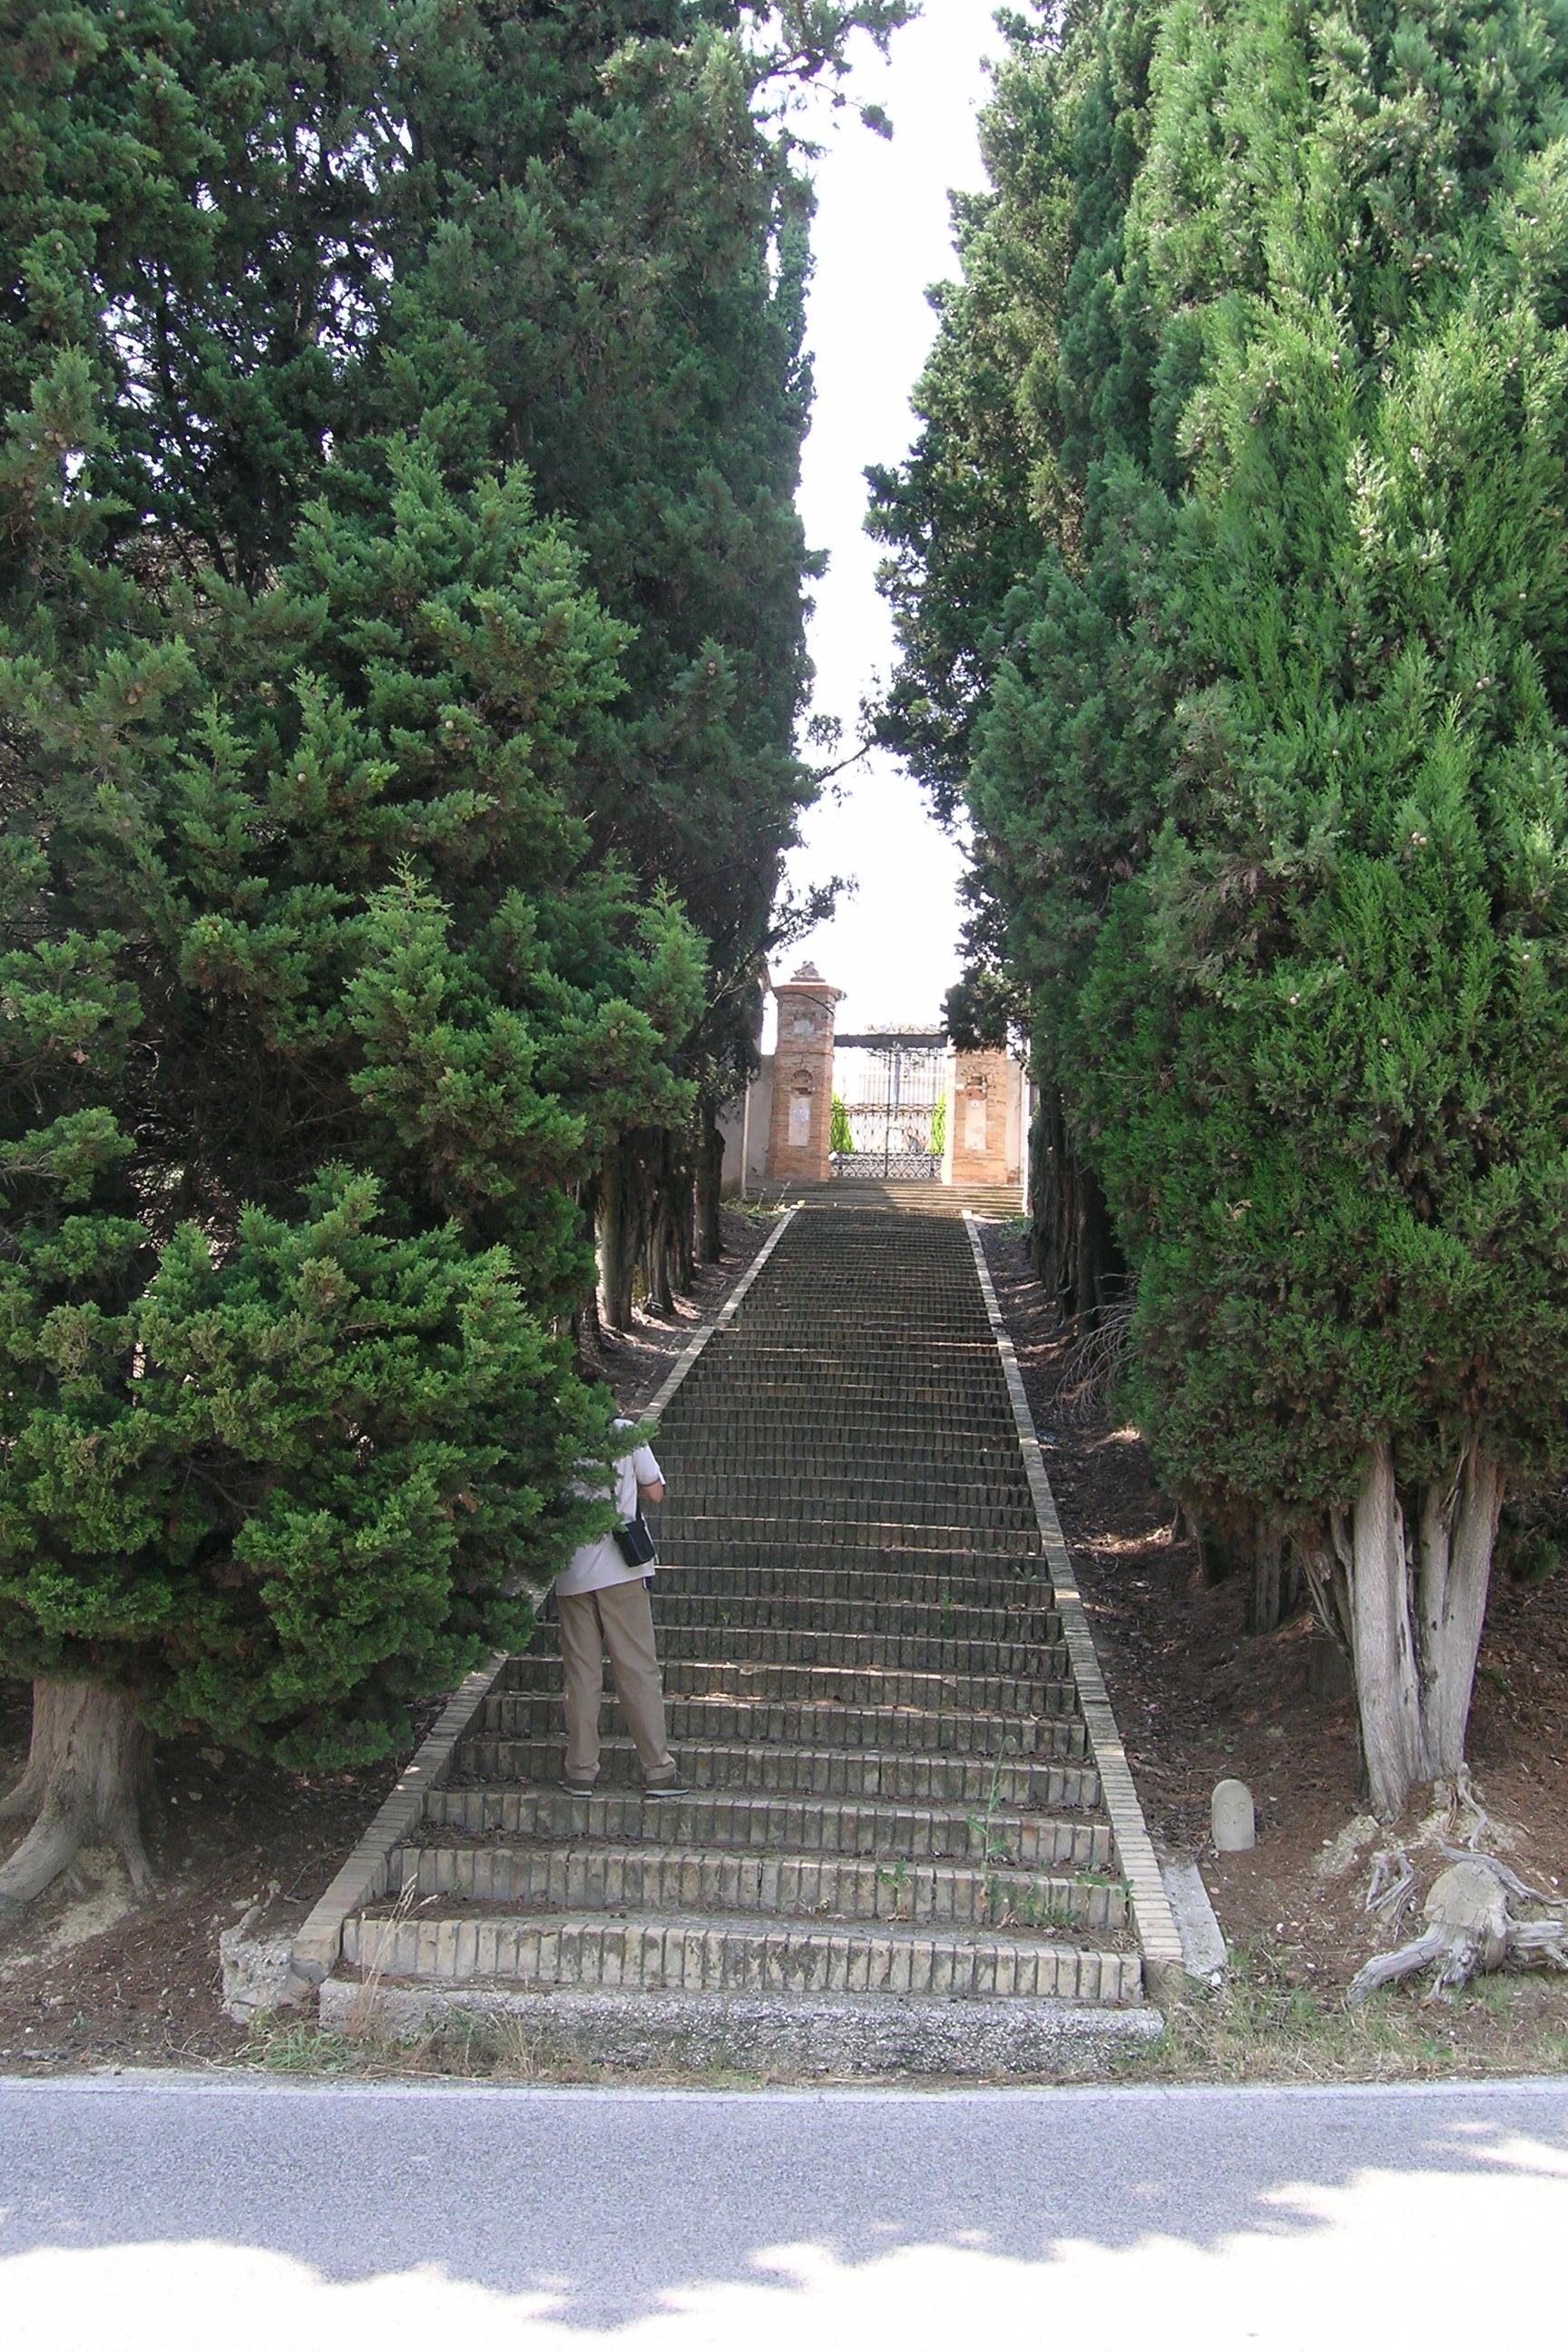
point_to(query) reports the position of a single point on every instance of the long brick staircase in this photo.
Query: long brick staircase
(895, 1848)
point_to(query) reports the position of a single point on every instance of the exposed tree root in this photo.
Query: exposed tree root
(22, 1802)
(87, 1771)
(1471, 1924)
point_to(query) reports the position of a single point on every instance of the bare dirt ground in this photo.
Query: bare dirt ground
(632, 1363)
(90, 1980)
(1199, 1699)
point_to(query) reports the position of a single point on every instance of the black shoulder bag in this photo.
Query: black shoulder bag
(634, 1542)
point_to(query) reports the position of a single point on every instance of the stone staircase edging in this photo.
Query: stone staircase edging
(753, 2033)
(1165, 1967)
(721, 1321)
(364, 1876)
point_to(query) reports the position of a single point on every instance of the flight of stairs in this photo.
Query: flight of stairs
(895, 1823)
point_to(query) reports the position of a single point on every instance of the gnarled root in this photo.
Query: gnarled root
(1470, 1930)
(87, 1771)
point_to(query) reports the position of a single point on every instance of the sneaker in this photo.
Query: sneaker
(672, 1785)
(577, 1787)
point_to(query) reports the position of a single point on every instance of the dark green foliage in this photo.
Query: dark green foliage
(295, 1513)
(400, 649)
(1263, 739)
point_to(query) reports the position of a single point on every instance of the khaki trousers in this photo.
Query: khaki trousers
(616, 1618)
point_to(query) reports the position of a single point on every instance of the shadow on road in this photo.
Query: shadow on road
(613, 2206)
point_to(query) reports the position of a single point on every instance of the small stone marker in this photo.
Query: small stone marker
(1232, 1818)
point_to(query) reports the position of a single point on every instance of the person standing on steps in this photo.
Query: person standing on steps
(602, 1604)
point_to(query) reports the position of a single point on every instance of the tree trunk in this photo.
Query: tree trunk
(710, 1190)
(614, 1241)
(1273, 1590)
(659, 1260)
(86, 1772)
(1458, 1532)
(684, 1209)
(1415, 1612)
(1071, 1243)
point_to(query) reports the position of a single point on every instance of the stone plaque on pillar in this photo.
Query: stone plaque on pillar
(985, 1137)
(800, 1134)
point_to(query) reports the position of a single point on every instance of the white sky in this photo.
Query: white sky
(881, 238)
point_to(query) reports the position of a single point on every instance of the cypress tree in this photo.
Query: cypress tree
(1282, 862)
(1025, 527)
(336, 963)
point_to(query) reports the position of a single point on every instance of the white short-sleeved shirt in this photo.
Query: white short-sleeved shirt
(594, 1565)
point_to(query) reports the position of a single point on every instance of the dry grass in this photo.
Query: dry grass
(1262, 2025)
(501, 2050)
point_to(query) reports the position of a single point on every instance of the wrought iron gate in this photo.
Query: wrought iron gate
(888, 1097)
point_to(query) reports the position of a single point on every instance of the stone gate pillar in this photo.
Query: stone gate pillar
(800, 1132)
(985, 1140)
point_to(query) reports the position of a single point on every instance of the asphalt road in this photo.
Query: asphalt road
(227, 2214)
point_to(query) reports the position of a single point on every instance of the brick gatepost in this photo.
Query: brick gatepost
(800, 1132)
(985, 1127)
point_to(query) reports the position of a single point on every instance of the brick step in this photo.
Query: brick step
(970, 1403)
(793, 1348)
(862, 1286)
(737, 1489)
(819, 1588)
(828, 1411)
(960, 1446)
(914, 1374)
(773, 1441)
(845, 1323)
(780, 1291)
(773, 1452)
(927, 1282)
(967, 1352)
(931, 1498)
(945, 1312)
(917, 1348)
(866, 1685)
(692, 1468)
(816, 1533)
(857, 1308)
(919, 1565)
(966, 1731)
(710, 1953)
(753, 1818)
(741, 1643)
(934, 1359)
(844, 1336)
(933, 1445)
(927, 1288)
(866, 1259)
(590, 1877)
(937, 1525)
(737, 1604)
(894, 1775)
(878, 1386)
(958, 1369)
(681, 1524)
